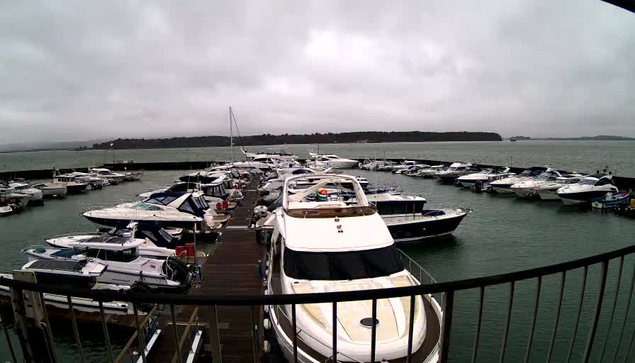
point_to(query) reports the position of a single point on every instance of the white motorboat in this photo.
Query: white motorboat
(398, 169)
(132, 175)
(264, 162)
(431, 172)
(504, 186)
(82, 273)
(547, 191)
(147, 248)
(214, 192)
(281, 153)
(74, 184)
(455, 170)
(180, 210)
(35, 195)
(9, 195)
(415, 170)
(124, 264)
(527, 188)
(94, 181)
(80, 303)
(484, 177)
(589, 188)
(322, 161)
(111, 176)
(312, 254)
(52, 189)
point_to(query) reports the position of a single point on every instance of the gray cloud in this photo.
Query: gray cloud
(74, 70)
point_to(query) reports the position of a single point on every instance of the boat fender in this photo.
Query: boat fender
(267, 324)
(266, 308)
(266, 346)
(180, 252)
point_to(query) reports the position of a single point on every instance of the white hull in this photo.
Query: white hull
(572, 201)
(503, 190)
(524, 192)
(546, 194)
(123, 275)
(54, 192)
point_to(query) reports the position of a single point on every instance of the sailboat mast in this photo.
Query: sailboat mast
(231, 134)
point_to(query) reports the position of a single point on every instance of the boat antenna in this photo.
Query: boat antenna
(231, 134)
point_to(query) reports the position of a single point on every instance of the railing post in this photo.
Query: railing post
(478, 323)
(214, 334)
(446, 328)
(373, 331)
(334, 331)
(78, 340)
(598, 310)
(512, 286)
(28, 310)
(140, 335)
(628, 307)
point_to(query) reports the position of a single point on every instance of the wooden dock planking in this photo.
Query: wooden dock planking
(231, 270)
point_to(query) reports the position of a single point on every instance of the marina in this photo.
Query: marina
(409, 182)
(238, 260)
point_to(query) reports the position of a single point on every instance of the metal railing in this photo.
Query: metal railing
(616, 319)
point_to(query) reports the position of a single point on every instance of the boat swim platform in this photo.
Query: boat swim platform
(232, 269)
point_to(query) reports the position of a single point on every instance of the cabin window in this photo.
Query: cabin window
(111, 255)
(602, 182)
(342, 265)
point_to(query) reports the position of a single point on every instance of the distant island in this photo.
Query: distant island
(598, 137)
(315, 138)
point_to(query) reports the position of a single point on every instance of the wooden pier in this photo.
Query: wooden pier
(231, 269)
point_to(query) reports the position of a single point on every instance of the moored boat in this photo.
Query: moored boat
(311, 254)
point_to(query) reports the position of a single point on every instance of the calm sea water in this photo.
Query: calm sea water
(583, 156)
(502, 234)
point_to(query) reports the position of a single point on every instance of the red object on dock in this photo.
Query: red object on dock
(190, 248)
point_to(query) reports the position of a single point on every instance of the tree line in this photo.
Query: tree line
(315, 138)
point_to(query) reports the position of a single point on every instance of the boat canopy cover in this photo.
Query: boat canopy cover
(56, 265)
(191, 203)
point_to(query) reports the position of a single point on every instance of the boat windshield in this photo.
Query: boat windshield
(145, 206)
(350, 265)
(588, 181)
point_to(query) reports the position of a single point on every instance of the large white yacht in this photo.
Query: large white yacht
(589, 188)
(321, 161)
(327, 245)
(527, 188)
(504, 186)
(180, 210)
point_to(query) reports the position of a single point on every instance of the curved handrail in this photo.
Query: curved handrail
(226, 300)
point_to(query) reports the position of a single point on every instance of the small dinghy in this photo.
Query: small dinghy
(614, 200)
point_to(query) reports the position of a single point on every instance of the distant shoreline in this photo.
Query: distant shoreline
(370, 137)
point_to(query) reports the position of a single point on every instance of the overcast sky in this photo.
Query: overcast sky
(78, 70)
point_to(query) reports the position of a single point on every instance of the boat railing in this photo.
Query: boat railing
(422, 275)
(572, 311)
